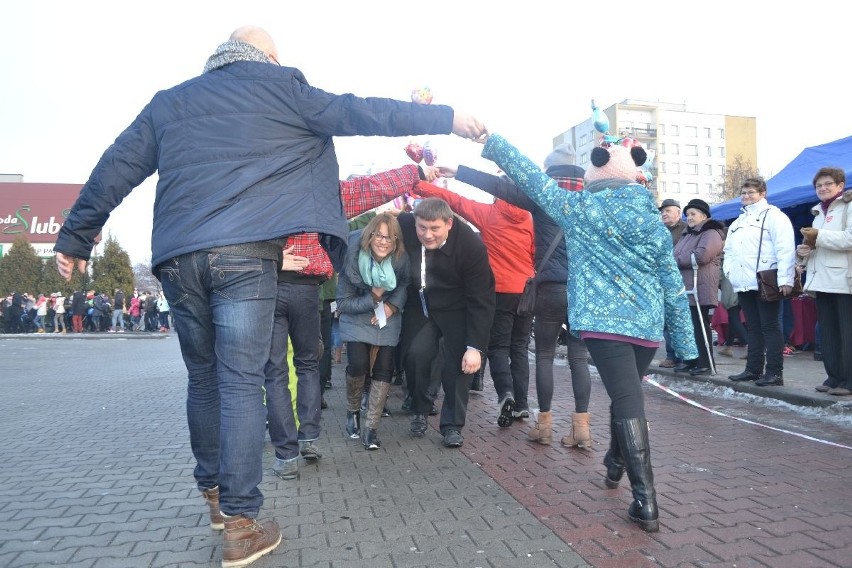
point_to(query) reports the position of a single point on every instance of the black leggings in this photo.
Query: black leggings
(359, 361)
(621, 366)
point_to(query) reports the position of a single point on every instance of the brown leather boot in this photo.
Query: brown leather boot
(580, 435)
(542, 431)
(246, 540)
(212, 498)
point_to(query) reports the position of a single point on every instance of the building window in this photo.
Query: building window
(674, 168)
(662, 148)
(692, 188)
(691, 169)
(708, 170)
(709, 188)
(662, 186)
(691, 131)
(709, 151)
(722, 133)
(674, 149)
(584, 158)
(662, 130)
(721, 170)
(675, 187)
(707, 133)
(721, 151)
(662, 167)
(690, 149)
(674, 130)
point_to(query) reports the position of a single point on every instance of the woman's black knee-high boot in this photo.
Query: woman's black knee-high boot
(612, 460)
(636, 450)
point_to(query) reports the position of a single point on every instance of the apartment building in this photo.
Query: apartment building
(688, 152)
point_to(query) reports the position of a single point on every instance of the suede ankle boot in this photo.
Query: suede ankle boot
(580, 435)
(542, 431)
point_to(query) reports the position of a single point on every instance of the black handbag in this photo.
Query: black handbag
(526, 303)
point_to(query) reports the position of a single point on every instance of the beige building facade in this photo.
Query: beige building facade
(688, 152)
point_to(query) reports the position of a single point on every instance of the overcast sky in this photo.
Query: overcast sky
(75, 74)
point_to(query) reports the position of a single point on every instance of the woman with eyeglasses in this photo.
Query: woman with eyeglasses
(827, 249)
(371, 291)
(761, 238)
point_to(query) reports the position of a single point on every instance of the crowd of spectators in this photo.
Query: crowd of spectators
(90, 311)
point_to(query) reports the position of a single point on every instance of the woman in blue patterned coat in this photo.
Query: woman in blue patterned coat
(625, 281)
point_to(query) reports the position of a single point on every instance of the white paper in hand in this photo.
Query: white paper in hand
(381, 319)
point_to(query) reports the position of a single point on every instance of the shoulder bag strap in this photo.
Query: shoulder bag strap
(549, 250)
(760, 242)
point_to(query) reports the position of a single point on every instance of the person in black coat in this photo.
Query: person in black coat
(456, 301)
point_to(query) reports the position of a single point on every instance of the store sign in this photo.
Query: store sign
(35, 210)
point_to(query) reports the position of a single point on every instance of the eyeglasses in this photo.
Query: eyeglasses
(749, 193)
(826, 184)
(381, 238)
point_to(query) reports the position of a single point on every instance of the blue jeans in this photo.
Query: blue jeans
(297, 315)
(223, 308)
(118, 319)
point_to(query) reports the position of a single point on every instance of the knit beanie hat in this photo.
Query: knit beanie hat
(615, 161)
(562, 155)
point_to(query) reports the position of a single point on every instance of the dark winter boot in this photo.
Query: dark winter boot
(354, 388)
(632, 436)
(613, 461)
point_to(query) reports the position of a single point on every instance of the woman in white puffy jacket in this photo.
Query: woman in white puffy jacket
(828, 250)
(761, 238)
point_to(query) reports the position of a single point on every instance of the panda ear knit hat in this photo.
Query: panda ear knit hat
(615, 161)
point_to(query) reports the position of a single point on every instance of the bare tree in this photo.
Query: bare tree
(728, 186)
(145, 279)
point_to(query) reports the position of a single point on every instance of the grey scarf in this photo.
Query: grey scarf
(232, 51)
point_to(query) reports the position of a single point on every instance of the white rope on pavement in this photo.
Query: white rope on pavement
(691, 402)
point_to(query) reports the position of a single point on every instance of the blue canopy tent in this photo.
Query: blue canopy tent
(792, 188)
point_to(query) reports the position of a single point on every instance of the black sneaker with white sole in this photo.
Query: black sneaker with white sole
(507, 405)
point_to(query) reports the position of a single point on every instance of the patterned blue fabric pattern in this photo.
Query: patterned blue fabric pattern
(624, 279)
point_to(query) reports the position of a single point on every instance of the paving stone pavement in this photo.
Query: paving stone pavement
(98, 472)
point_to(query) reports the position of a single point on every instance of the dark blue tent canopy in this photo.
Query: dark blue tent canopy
(792, 188)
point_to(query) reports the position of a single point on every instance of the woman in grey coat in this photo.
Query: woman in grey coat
(704, 238)
(371, 291)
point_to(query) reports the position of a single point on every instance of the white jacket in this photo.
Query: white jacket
(830, 263)
(743, 241)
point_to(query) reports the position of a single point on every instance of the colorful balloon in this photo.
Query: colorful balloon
(600, 119)
(423, 95)
(414, 151)
(430, 155)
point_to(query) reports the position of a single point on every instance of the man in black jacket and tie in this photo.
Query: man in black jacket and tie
(451, 295)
